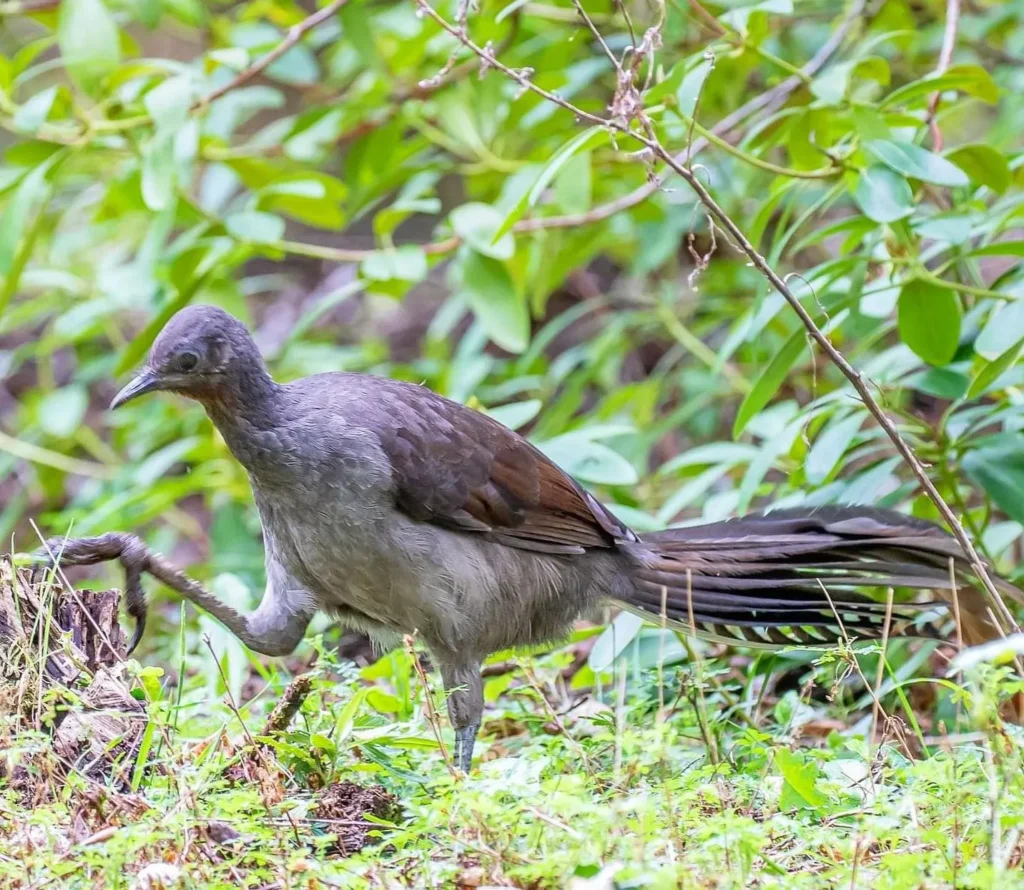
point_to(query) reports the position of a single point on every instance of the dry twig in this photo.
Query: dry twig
(945, 57)
(433, 718)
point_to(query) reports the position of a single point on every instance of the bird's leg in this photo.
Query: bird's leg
(464, 685)
(271, 629)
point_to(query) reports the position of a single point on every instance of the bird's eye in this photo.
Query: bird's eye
(187, 361)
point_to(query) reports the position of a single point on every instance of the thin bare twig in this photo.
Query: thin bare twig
(597, 35)
(531, 678)
(876, 708)
(433, 718)
(710, 22)
(744, 244)
(945, 57)
(294, 35)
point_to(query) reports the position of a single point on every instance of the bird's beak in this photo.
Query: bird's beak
(146, 381)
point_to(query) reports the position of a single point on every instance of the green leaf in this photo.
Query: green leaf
(690, 88)
(392, 272)
(588, 460)
(869, 123)
(1001, 330)
(801, 778)
(613, 640)
(768, 384)
(199, 272)
(929, 320)
(943, 383)
(255, 225)
(488, 289)
(516, 414)
(168, 102)
(309, 196)
(88, 40)
(347, 717)
(384, 702)
(874, 68)
(916, 162)
(752, 20)
(159, 173)
(358, 29)
(672, 81)
(19, 229)
(830, 446)
(983, 165)
(999, 248)
(31, 190)
(30, 116)
(574, 186)
(883, 195)
(297, 67)
(589, 138)
(728, 453)
(831, 85)
(999, 469)
(477, 225)
(61, 411)
(149, 12)
(321, 742)
(971, 79)
(993, 370)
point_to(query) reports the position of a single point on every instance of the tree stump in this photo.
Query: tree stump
(62, 673)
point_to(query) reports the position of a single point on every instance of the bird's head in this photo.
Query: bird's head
(201, 353)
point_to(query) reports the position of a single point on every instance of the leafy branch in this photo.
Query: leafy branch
(854, 376)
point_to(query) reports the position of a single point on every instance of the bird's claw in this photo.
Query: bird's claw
(140, 629)
(126, 549)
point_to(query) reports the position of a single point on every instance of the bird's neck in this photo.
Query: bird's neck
(247, 409)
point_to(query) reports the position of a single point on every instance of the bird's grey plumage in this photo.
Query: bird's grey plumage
(399, 511)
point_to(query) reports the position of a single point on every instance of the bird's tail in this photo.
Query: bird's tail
(798, 577)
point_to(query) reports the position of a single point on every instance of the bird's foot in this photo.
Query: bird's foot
(465, 740)
(128, 549)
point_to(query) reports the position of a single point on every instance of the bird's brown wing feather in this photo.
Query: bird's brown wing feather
(460, 469)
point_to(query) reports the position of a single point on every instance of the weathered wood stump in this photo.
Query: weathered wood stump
(62, 673)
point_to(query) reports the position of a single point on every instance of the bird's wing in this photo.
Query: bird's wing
(460, 469)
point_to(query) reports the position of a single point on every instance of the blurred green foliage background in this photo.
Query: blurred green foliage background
(367, 198)
(350, 179)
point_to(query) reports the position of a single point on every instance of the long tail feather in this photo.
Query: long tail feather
(797, 577)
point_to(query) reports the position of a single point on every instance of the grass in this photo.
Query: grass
(719, 774)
